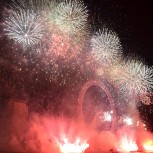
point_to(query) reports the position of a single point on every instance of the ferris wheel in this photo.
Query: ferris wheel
(105, 89)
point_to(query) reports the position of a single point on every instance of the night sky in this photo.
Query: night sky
(133, 21)
(130, 19)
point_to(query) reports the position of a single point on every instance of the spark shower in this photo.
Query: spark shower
(54, 37)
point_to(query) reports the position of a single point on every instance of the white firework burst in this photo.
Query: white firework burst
(106, 47)
(140, 78)
(133, 77)
(24, 27)
(71, 17)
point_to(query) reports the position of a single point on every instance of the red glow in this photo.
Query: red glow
(63, 135)
(63, 46)
(57, 135)
(60, 45)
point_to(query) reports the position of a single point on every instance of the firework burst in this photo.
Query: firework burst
(71, 17)
(51, 28)
(141, 77)
(106, 47)
(133, 76)
(24, 27)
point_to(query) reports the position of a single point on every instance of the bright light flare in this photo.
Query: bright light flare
(128, 121)
(148, 146)
(128, 145)
(108, 116)
(75, 147)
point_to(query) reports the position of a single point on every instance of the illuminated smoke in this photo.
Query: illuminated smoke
(64, 47)
(24, 27)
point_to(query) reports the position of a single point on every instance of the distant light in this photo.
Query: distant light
(128, 121)
(107, 116)
(138, 123)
